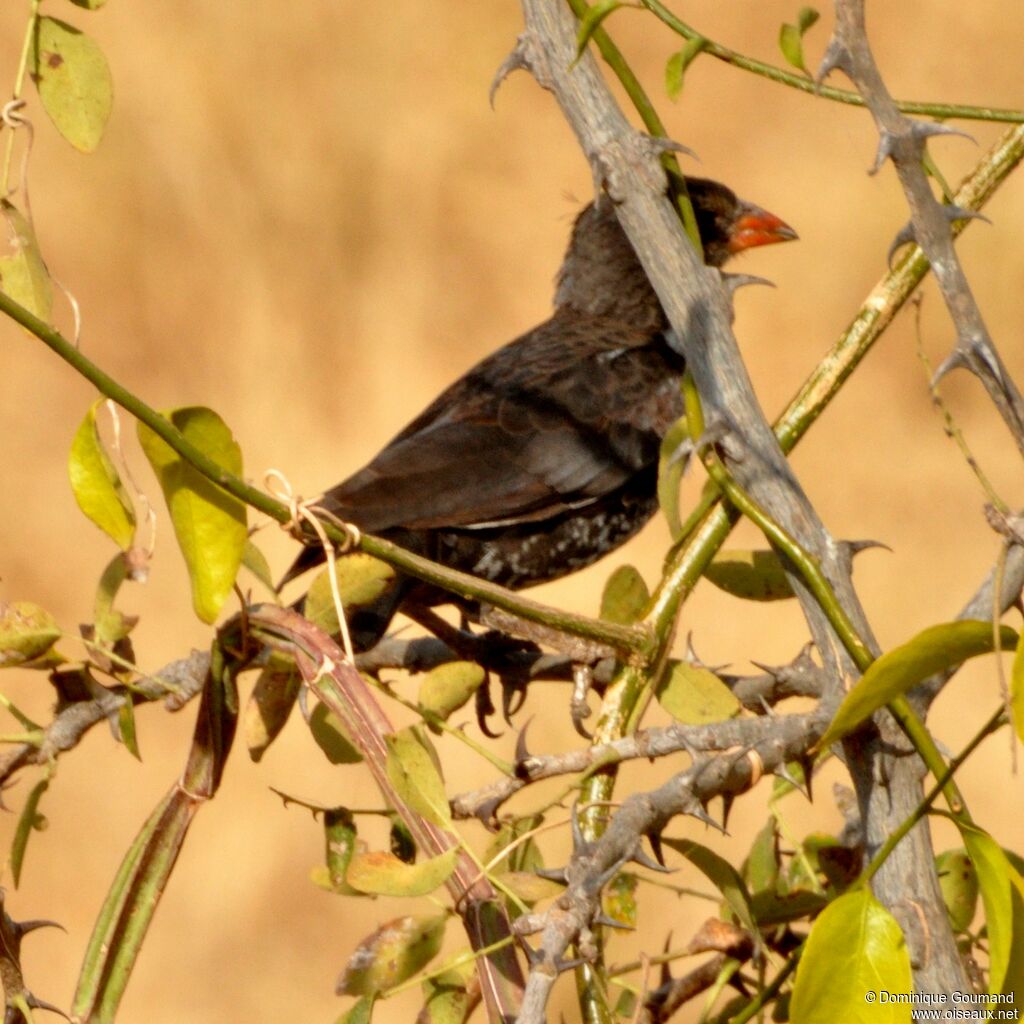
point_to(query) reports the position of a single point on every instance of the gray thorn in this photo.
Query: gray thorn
(733, 282)
(926, 129)
(836, 56)
(641, 857)
(515, 61)
(611, 922)
(956, 360)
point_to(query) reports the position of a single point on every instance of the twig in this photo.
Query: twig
(660, 741)
(904, 141)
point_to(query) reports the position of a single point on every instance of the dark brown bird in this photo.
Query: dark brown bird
(544, 456)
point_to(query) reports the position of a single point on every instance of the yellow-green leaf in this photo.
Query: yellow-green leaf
(994, 872)
(959, 884)
(89, 5)
(29, 821)
(361, 580)
(256, 562)
(722, 875)
(269, 707)
(23, 274)
(74, 82)
(360, 1013)
(855, 948)
(530, 888)
(695, 695)
(96, 484)
(209, 523)
(675, 69)
(752, 575)
(619, 899)
(933, 650)
(383, 874)
(394, 952)
(625, 596)
(26, 632)
(791, 37)
(412, 767)
(670, 473)
(331, 737)
(448, 687)
(446, 998)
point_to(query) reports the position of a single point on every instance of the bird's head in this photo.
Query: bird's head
(602, 276)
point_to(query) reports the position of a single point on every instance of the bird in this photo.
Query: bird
(543, 457)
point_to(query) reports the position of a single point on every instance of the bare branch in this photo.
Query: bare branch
(903, 140)
(733, 734)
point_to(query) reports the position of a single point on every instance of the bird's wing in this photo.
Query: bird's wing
(550, 422)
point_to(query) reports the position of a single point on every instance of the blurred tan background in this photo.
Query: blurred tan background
(309, 218)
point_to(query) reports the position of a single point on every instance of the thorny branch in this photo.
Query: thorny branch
(736, 733)
(592, 864)
(903, 140)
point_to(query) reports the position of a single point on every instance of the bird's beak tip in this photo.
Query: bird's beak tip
(756, 227)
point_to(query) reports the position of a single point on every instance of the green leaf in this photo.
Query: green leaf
(530, 888)
(96, 484)
(110, 626)
(525, 856)
(591, 22)
(771, 908)
(361, 1012)
(619, 899)
(933, 650)
(256, 562)
(670, 473)
(791, 37)
(446, 998)
(1017, 689)
(340, 840)
(695, 695)
(761, 867)
(23, 274)
(26, 632)
(994, 879)
(89, 5)
(448, 687)
(74, 82)
(806, 18)
(751, 575)
(209, 523)
(722, 875)
(331, 737)
(625, 596)
(959, 884)
(394, 952)
(383, 874)
(675, 69)
(412, 767)
(270, 706)
(855, 947)
(126, 728)
(29, 821)
(361, 580)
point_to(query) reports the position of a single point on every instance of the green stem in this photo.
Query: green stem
(805, 84)
(632, 639)
(652, 122)
(768, 993)
(451, 965)
(925, 805)
(819, 586)
(19, 84)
